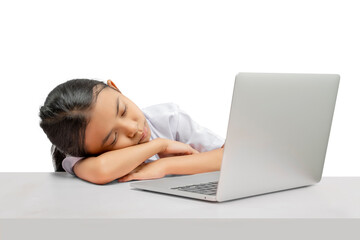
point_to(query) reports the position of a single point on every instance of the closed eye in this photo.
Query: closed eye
(125, 110)
(114, 139)
(122, 115)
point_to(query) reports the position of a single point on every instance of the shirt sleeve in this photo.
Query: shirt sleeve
(69, 162)
(198, 137)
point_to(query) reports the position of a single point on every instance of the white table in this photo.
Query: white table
(60, 205)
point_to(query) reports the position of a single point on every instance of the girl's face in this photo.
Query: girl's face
(115, 122)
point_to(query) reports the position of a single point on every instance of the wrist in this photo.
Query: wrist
(165, 165)
(162, 143)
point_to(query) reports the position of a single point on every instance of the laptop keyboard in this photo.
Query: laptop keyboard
(203, 188)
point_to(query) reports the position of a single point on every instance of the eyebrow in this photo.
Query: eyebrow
(117, 112)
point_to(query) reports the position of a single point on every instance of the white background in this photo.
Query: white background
(187, 52)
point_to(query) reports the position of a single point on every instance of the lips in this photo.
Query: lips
(144, 134)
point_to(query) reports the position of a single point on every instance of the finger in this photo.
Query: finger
(121, 180)
(194, 151)
(125, 178)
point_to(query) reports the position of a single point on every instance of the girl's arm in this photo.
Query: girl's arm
(188, 164)
(196, 163)
(114, 164)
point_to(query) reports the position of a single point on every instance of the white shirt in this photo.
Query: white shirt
(168, 121)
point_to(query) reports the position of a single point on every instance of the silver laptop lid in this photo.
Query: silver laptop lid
(278, 132)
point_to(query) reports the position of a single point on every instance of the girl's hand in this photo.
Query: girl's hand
(144, 171)
(174, 148)
(157, 169)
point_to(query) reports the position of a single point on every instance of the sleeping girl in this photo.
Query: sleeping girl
(100, 135)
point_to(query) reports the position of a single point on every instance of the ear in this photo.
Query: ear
(112, 84)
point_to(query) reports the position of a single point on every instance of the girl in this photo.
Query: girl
(100, 135)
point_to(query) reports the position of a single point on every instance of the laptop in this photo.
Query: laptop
(277, 136)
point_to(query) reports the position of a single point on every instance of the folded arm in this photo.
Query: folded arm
(178, 165)
(114, 164)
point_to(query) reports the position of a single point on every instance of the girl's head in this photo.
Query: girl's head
(83, 117)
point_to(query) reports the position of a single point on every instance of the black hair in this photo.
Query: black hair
(65, 115)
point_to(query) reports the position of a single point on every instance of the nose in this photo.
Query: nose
(130, 128)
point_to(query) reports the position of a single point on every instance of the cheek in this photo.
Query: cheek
(123, 142)
(91, 142)
(136, 113)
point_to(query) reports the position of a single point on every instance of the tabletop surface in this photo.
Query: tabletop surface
(60, 195)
